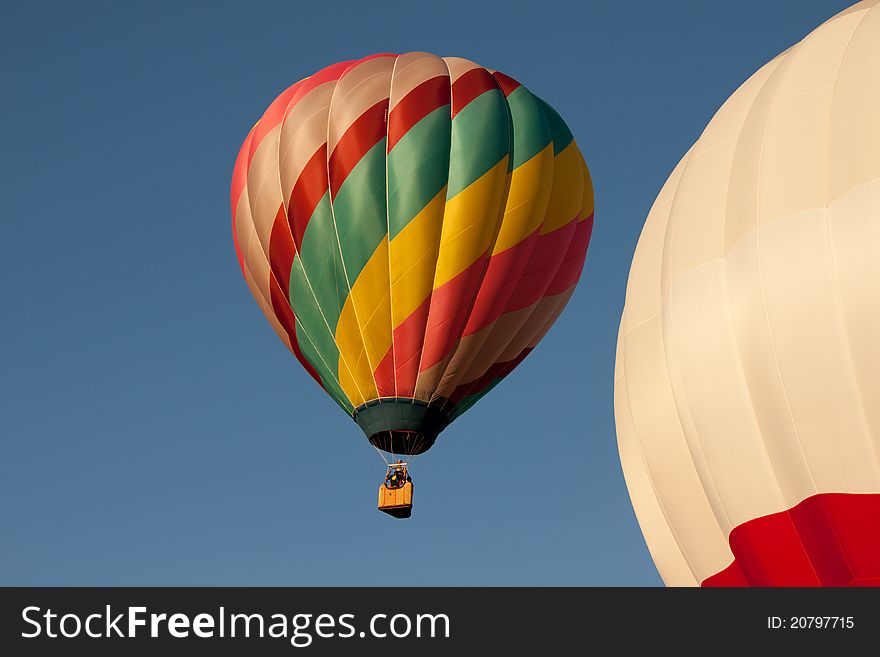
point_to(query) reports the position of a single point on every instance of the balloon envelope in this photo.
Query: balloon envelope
(747, 385)
(411, 226)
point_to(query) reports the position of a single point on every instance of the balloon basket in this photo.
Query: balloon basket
(396, 502)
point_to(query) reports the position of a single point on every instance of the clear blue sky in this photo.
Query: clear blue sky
(154, 430)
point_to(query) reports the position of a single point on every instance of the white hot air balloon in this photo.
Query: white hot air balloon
(747, 382)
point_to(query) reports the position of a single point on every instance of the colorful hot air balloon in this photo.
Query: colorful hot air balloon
(747, 388)
(411, 226)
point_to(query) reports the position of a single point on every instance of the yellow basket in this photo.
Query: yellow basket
(396, 502)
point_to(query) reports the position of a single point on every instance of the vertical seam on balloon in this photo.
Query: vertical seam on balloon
(339, 244)
(285, 204)
(436, 260)
(388, 233)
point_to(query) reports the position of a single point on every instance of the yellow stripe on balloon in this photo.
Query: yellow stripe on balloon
(370, 298)
(470, 223)
(568, 189)
(358, 373)
(530, 186)
(413, 258)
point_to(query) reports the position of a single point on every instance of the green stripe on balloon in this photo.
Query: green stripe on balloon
(320, 259)
(321, 350)
(530, 126)
(480, 139)
(562, 136)
(325, 372)
(418, 167)
(359, 209)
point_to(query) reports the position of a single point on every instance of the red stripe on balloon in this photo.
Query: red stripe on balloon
(285, 316)
(573, 264)
(508, 84)
(475, 82)
(366, 131)
(282, 308)
(500, 283)
(406, 348)
(273, 116)
(278, 297)
(507, 285)
(307, 192)
(450, 305)
(428, 96)
(829, 539)
(383, 375)
(543, 266)
(325, 75)
(288, 99)
(545, 276)
(281, 251)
